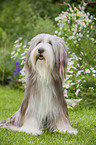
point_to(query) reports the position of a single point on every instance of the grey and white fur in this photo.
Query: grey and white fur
(44, 105)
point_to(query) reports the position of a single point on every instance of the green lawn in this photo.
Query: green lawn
(82, 118)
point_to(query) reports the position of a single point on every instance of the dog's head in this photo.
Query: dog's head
(47, 52)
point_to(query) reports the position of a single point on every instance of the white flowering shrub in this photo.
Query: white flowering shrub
(76, 78)
(78, 30)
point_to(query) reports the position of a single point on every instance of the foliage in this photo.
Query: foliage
(82, 118)
(78, 31)
(18, 18)
(19, 54)
(6, 66)
(44, 25)
(3, 37)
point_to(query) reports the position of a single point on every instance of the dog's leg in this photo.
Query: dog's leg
(14, 120)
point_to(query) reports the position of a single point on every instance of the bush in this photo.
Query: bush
(6, 67)
(77, 28)
(44, 26)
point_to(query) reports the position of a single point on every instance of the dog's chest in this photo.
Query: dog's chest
(45, 100)
(43, 103)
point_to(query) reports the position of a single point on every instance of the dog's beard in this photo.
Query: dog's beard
(42, 70)
(43, 63)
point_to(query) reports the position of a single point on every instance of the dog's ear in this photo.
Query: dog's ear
(27, 64)
(29, 71)
(63, 58)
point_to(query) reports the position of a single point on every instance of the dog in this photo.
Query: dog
(43, 105)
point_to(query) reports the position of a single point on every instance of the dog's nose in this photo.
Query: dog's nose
(40, 50)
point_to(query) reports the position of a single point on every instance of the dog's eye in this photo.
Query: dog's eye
(50, 43)
(38, 43)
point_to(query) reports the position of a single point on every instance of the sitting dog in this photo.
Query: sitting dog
(44, 105)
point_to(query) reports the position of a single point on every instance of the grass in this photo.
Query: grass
(82, 118)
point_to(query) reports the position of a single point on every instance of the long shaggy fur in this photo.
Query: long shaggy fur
(44, 105)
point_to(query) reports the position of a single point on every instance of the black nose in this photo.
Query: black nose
(40, 50)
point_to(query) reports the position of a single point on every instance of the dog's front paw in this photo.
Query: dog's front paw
(69, 130)
(66, 128)
(36, 132)
(32, 130)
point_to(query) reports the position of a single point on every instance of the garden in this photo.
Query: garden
(73, 21)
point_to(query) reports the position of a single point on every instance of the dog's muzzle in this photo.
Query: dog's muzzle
(40, 54)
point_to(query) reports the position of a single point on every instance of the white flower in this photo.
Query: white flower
(16, 41)
(22, 62)
(88, 13)
(12, 52)
(92, 39)
(16, 54)
(56, 32)
(80, 58)
(84, 4)
(23, 57)
(91, 26)
(23, 72)
(75, 41)
(78, 90)
(18, 49)
(94, 71)
(24, 46)
(91, 88)
(92, 68)
(70, 71)
(67, 85)
(78, 81)
(71, 9)
(78, 73)
(78, 65)
(91, 17)
(65, 93)
(20, 38)
(23, 54)
(59, 33)
(94, 75)
(72, 84)
(82, 53)
(87, 71)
